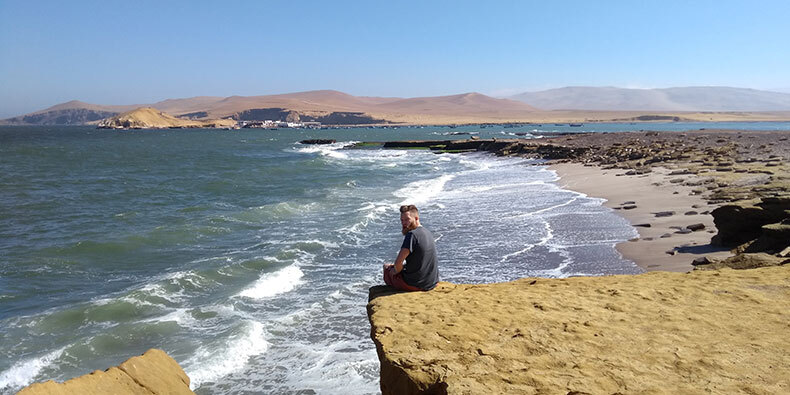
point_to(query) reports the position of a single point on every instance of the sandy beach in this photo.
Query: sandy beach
(648, 199)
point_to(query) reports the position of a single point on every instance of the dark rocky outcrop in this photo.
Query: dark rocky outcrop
(741, 262)
(194, 115)
(502, 147)
(760, 224)
(284, 115)
(262, 114)
(318, 141)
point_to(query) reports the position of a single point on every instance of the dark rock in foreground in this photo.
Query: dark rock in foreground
(738, 224)
(318, 141)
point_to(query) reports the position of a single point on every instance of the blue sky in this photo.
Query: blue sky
(125, 52)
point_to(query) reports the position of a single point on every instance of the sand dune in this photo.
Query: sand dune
(147, 117)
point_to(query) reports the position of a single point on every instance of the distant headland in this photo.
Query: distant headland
(329, 107)
(147, 118)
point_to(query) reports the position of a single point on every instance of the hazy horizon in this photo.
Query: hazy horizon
(56, 52)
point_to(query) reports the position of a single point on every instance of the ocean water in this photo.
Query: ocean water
(248, 256)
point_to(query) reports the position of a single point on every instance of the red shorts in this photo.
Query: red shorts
(396, 280)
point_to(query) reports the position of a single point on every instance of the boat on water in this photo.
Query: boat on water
(575, 125)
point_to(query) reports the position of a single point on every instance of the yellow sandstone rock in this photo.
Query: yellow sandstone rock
(152, 373)
(655, 333)
(148, 117)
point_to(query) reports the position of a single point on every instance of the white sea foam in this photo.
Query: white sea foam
(334, 368)
(24, 372)
(179, 316)
(322, 243)
(330, 150)
(486, 188)
(157, 290)
(543, 241)
(271, 284)
(423, 191)
(210, 364)
(546, 209)
(558, 272)
(375, 210)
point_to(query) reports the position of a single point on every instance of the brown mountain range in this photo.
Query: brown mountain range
(333, 107)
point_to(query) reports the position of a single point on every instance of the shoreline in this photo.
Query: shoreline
(700, 197)
(650, 193)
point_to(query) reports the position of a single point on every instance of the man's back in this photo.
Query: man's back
(421, 269)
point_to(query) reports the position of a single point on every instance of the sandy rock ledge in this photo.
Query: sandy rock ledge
(154, 372)
(722, 331)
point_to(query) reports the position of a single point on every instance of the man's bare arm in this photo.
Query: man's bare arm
(404, 252)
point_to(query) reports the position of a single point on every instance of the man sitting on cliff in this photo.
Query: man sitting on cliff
(419, 272)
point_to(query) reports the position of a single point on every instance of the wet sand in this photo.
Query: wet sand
(651, 193)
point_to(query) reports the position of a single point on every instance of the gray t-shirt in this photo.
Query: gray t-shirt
(420, 269)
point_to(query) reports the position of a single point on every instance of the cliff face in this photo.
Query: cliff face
(147, 117)
(152, 373)
(705, 331)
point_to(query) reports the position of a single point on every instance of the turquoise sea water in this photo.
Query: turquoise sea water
(247, 256)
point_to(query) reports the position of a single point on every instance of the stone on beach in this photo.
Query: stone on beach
(701, 261)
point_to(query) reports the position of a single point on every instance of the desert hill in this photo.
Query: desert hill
(322, 104)
(701, 98)
(147, 117)
(335, 108)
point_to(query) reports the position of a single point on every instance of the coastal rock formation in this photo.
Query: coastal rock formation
(318, 141)
(148, 118)
(761, 225)
(726, 166)
(742, 262)
(501, 147)
(718, 331)
(151, 373)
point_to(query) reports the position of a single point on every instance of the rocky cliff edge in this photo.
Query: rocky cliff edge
(722, 331)
(151, 373)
